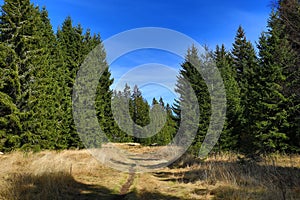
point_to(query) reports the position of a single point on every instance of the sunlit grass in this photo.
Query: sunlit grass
(77, 175)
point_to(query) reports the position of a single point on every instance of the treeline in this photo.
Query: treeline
(164, 126)
(262, 87)
(38, 71)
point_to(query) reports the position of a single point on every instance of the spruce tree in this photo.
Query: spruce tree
(229, 137)
(103, 104)
(139, 110)
(23, 29)
(245, 64)
(168, 130)
(275, 56)
(70, 43)
(10, 124)
(121, 101)
(74, 46)
(54, 87)
(170, 127)
(289, 18)
(191, 81)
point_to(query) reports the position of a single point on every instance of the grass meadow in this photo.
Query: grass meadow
(75, 174)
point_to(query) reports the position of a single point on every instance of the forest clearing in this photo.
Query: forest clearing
(159, 80)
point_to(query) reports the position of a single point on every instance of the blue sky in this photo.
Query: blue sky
(209, 22)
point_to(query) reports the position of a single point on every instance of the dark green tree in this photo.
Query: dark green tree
(10, 124)
(23, 28)
(139, 110)
(229, 137)
(275, 56)
(103, 105)
(245, 65)
(74, 46)
(191, 81)
(168, 131)
(122, 115)
(289, 18)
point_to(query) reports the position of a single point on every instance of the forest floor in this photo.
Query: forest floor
(75, 174)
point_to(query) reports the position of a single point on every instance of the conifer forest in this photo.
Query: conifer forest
(38, 68)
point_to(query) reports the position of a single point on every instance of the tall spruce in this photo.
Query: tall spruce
(229, 137)
(245, 64)
(289, 18)
(10, 123)
(275, 56)
(75, 46)
(70, 40)
(23, 29)
(191, 79)
(103, 101)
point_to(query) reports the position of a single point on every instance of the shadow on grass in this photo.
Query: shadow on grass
(247, 180)
(145, 195)
(54, 186)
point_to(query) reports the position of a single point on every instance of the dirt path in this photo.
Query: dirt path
(125, 188)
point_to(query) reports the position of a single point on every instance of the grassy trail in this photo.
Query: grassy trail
(125, 188)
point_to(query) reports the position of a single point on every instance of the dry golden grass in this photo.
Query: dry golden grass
(77, 175)
(275, 177)
(57, 175)
(137, 149)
